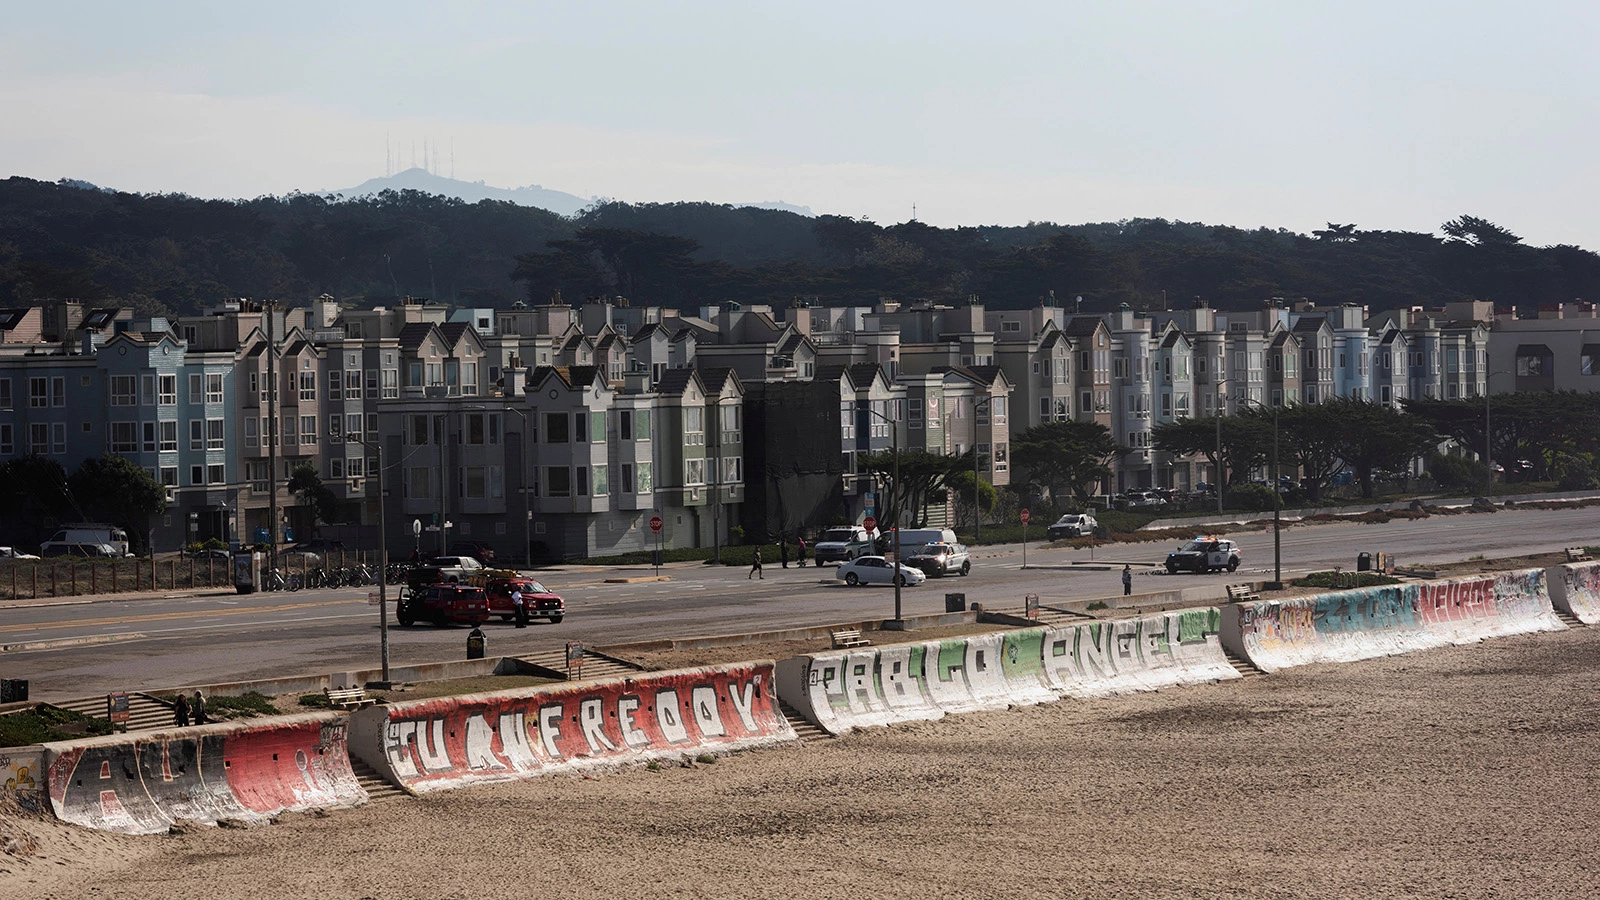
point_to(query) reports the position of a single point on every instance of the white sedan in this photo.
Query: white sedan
(876, 570)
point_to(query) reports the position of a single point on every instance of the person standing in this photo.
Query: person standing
(783, 549)
(197, 708)
(180, 711)
(755, 567)
(519, 605)
(800, 547)
(1127, 579)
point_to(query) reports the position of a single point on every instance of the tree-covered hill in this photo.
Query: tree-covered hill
(164, 252)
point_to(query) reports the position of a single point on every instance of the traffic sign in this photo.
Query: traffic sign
(1024, 517)
(869, 523)
(655, 524)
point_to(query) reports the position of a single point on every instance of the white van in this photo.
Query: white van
(912, 540)
(91, 533)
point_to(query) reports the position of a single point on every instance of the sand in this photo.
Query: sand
(1466, 772)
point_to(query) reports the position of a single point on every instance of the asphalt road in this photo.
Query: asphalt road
(147, 644)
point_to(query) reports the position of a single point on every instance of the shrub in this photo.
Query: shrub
(47, 723)
(315, 701)
(736, 534)
(1340, 580)
(251, 703)
(1250, 497)
(1575, 473)
(1450, 470)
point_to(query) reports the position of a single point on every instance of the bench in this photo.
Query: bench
(1576, 554)
(348, 698)
(1242, 593)
(848, 637)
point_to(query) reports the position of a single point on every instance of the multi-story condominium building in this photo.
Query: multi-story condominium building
(1559, 350)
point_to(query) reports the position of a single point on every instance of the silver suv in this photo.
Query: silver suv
(1072, 525)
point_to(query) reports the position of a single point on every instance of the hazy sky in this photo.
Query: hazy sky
(1396, 115)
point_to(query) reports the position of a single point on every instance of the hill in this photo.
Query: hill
(172, 253)
(421, 180)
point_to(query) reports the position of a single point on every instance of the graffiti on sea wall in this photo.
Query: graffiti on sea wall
(927, 680)
(1575, 589)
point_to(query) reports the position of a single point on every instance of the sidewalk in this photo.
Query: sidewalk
(1294, 515)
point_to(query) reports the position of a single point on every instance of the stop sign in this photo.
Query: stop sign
(655, 524)
(1024, 517)
(869, 523)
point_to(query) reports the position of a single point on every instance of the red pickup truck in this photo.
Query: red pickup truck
(443, 604)
(541, 603)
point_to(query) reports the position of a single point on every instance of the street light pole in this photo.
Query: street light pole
(383, 560)
(716, 486)
(1221, 397)
(898, 623)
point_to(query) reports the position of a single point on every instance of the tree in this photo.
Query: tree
(1065, 457)
(1308, 436)
(34, 497)
(1377, 437)
(923, 479)
(121, 492)
(305, 483)
(1245, 445)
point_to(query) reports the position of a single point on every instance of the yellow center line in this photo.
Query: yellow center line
(163, 617)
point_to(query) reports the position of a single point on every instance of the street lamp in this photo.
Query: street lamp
(1277, 501)
(898, 623)
(1488, 444)
(383, 558)
(716, 482)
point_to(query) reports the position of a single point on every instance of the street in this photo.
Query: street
(146, 644)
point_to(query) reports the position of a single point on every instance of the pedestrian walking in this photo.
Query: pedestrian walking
(180, 711)
(755, 567)
(520, 607)
(197, 709)
(783, 549)
(800, 545)
(1127, 579)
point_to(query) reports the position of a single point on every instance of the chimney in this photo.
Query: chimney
(516, 380)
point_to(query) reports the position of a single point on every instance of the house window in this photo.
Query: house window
(473, 483)
(643, 477)
(197, 474)
(39, 392)
(469, 379)
(733, 419)
(475, 434)
(168, 390)
(197, 388)
(419, 483)
(1588, 364)
(147, 390)
(694, 471)
(124, 438)
(391, 383)
(641, 425)
(557, 481)
(352, 425)
(169, 436)
(215, 434)
(308, 386)
(1010, 326)
(217, 473)
(7, 439)
(352, 383)
(214, 387)
(335, 385)
(308, 429)
(197, 434)
(123, 391)
(335, 467)
(288, 431)
(1534, 360)
(39, 438)
(732, 469)
(694, 426)
(581, 481)
(58, 437)
(418, 433)
(251, 429)
(601, 486)
(626, 484)
(335, 428)
(58, 391)
(149, 429)
(169, 476)
(556, 427)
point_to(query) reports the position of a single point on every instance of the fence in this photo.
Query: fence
(30, 580)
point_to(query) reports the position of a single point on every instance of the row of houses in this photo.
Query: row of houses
(567, 428)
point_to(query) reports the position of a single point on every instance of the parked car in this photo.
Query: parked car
(13, 553)
(478, 550)
(1203, 555)
(540, 601)
(453, 568)
(1072, 525)
(88, 534)
(213, 553)
(941, 558)
(82, 551)
(1144, 500)
(877, 570)
(443, 604)
(842, 544)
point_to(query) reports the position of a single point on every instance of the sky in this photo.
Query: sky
(1395, 115)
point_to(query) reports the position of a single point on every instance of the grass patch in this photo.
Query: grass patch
(1098, 604)
(244, 706)
(706, 758)
(315, 701)
(1341, 580)
(47, 723)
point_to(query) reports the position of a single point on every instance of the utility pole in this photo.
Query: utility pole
(272, 441)
(715, 465)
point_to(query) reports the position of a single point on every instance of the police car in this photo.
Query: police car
(1206, 554)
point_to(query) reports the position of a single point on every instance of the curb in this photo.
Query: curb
(70, 642)
(643, 579)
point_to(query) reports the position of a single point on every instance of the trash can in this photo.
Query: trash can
(1363, 562)
(955, 603)
(477, 644)
(13, 690)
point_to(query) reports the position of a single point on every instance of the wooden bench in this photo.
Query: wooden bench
(848, 637)
(1577, 554)
(1242, 593)
(348, 698)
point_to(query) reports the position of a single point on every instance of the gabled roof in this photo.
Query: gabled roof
(834, 373)
(984, 375)
(453, 332)
(569, 376)
(1281, 338)
(685, 334)
(1307, 324)
(413, 334)
(1083, 326)
(716, 380)
(864, 373)
(1172, 339)
(647, 330)
(675, 381)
